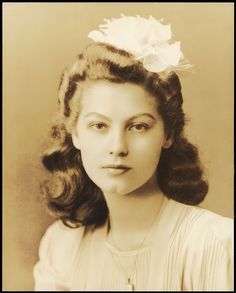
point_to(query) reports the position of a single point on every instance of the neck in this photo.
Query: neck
(132, 216)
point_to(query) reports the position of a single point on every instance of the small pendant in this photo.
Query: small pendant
(129, 286)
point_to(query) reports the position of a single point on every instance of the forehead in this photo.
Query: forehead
(108, 96)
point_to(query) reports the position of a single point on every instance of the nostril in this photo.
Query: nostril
(118, 144)
(120, 154)
(123, 154)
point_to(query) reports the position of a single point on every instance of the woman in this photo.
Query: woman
(125, 181)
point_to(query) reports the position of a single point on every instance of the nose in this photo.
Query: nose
(118, 144)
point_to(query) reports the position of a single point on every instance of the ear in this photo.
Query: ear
(75, 140)
(167, 143)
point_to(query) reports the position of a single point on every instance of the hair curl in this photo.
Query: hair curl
(70, 194)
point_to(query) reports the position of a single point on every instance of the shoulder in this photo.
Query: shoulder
(211, 225)
(58, 231)
(59, 245)
(206, 240)
(200, 227)
(200, 217)
(199, 247)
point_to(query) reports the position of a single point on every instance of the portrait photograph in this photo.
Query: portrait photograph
(118, 151)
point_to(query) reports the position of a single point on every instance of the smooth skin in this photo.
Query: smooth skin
(118, 125)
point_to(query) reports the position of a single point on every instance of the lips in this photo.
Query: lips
(116, 169)
(114, 166)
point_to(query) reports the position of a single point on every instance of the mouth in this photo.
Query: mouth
(116, 169)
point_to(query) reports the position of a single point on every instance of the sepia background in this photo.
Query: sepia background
(39, 40)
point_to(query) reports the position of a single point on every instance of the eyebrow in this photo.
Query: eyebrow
(132, 118)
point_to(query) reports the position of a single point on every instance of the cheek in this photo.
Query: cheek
(148, 150)
(91, 153)
(89, 142)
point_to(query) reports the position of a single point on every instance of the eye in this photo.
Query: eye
(99, 126)
(139, 127)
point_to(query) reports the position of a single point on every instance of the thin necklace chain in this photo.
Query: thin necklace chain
(129, 277)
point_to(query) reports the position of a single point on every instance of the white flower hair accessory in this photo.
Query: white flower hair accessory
(146, 38)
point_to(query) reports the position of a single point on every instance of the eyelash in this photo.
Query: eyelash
(100, 126)
(96, 124)
(144, 126)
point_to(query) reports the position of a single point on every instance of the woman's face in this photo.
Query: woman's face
(120, 135)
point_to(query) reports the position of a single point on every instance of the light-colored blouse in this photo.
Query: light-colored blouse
(191, 250)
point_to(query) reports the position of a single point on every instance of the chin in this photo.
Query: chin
(119, 186)
(120, 189)
(114, 188)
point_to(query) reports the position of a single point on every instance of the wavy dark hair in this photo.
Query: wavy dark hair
(70, 194)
